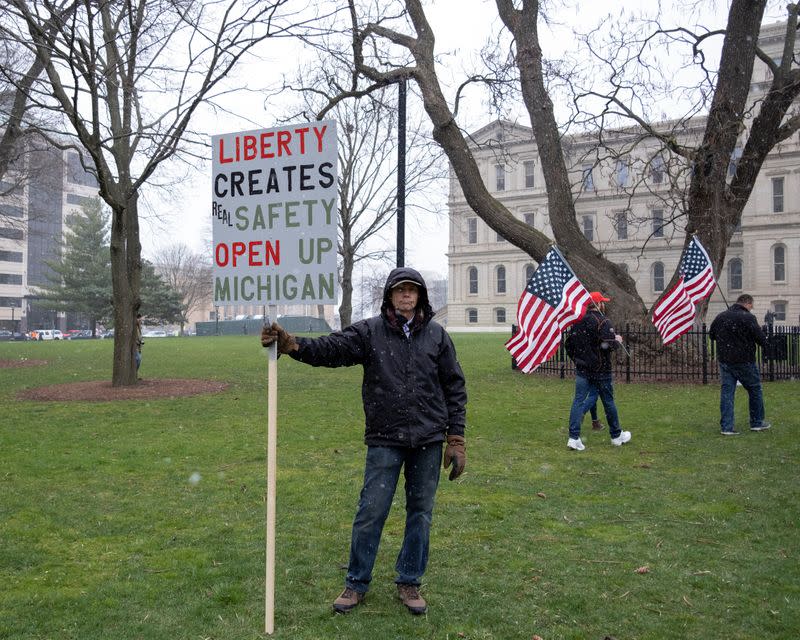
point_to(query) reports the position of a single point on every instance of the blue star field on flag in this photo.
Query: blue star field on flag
(550, 279)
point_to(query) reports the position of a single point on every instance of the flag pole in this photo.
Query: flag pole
(272, 456)
(594, 304)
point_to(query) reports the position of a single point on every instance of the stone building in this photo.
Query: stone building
(626, 208)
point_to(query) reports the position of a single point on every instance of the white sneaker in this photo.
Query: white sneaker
(622, 438)
(575, 443)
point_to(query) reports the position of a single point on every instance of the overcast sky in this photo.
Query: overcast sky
(462, 28)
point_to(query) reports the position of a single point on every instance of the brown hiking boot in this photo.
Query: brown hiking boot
(347, 600)
(409, 595)
(597, 425)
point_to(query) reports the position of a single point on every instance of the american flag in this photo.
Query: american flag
(553, 300)
(674, 314)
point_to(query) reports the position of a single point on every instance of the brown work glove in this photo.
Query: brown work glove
(286, 342)
(456, 453)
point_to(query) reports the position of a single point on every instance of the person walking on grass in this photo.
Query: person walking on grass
(591, 342)
(414, 398)
(736, 333)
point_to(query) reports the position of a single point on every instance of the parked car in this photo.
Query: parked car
(48, 334)
(6, 335)
(78, 334)
(155, 333)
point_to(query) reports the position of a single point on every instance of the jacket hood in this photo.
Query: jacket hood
(398, 275)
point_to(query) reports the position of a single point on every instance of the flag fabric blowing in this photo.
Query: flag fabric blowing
(674, 314)
(553, 300)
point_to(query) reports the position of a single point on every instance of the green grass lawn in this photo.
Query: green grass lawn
(145, 519)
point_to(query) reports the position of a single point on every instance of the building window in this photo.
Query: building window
(11, 302)
(621, 174)
(10, 278)
(621, 223)
(735, 274)
(76, 174)
(587, 224)
(529, 167)
(500, 315)
(500, 177)
(499, 238)
(658, 276)
(779, 309)
(588, 181)
(11, 211)
(657, 170)
(472, 276)
(10, 256)
(529, 271)
(11, 234)
(529, 218)
(658, 223)
(779, 263)
(74, 198)
(777, 195)
(472, 316)
(501, 279)
(472, 230)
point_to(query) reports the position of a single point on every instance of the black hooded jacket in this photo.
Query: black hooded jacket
(736, 333)
(413, 388)
(593, 340)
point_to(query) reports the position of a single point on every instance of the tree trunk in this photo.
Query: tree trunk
(712, 213)
(346, 307)
(594, 271)
(126, 269)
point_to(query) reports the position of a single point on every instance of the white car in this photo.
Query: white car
(49, 334)
(155, 333)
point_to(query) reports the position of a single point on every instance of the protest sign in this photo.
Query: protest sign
(274, 215)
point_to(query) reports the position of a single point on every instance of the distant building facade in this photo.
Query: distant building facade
(35, 199)
(621, 203)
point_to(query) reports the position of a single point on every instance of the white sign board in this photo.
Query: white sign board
(274, 215)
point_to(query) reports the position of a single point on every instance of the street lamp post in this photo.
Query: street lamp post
(401, 172)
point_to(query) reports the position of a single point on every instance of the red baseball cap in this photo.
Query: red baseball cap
(596, 297)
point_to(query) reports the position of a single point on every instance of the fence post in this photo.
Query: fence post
(514, 330)
(704, 348)
(771, 351)
(627, 339)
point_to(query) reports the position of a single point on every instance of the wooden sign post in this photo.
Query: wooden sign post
(272, 460)
(274, 218)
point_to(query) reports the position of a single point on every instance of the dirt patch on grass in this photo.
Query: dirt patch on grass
(102, 391)
(21, 362)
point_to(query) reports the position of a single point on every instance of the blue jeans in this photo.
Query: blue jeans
(587, 390)
(421, 467)
(747, 374)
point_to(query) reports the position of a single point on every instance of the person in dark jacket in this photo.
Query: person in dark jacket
(736, 333)
(414, 398)
(593, 339)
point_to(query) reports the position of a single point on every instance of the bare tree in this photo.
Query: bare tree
(20, 142)
(386, 47)
(368, 164)
(188, 273)
(127, 77)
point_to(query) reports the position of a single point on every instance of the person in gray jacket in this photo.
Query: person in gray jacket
(414, 398)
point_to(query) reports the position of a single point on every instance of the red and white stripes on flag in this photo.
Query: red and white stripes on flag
(553, 300)
(674, 314)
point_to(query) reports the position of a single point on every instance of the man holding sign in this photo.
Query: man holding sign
(414, 400)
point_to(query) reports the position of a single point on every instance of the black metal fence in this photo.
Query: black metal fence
(691, 358)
